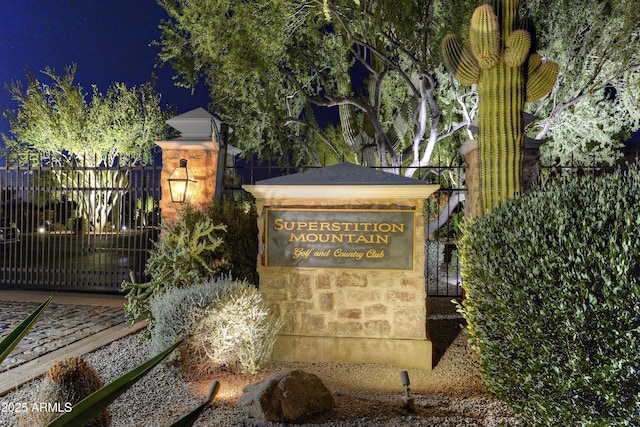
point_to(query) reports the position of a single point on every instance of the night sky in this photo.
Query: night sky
(109, 40)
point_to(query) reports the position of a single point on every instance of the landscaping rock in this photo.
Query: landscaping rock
(288, 395)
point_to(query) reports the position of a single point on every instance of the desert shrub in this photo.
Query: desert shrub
(185, 255)
(177, 310)
(66, 383)
(224, 319)
(237, 330)
(194, 248)
(240, 242)
(552, 301)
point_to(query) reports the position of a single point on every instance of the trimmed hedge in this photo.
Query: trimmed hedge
(553, 301)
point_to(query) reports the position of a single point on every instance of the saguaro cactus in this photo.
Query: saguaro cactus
(500, 59)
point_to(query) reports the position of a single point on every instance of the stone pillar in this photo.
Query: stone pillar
(198, 144)
(202, 160)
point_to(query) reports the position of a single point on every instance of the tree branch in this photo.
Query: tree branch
(317, 131)
(560, 109)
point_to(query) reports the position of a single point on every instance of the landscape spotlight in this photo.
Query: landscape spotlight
(407, 399)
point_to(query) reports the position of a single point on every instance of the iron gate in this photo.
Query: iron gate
(77, 228)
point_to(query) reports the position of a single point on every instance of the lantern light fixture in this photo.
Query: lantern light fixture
(181, 183)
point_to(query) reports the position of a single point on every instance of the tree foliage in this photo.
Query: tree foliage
(596, 103)
(61, 124)
(59, 120)
(272, 65)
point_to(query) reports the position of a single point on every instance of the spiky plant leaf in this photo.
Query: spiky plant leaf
(10, 341)
(92, 405)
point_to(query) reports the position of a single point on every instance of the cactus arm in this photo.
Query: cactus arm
(534, 62)
(484, 36)
(517, 48)
(459, 60)
(509, 74)
(542, 80)
(526, 23)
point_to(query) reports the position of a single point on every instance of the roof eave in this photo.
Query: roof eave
(414, 191)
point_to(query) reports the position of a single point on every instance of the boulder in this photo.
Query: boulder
(288, 395)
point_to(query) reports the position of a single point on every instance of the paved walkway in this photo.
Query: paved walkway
(73, 324)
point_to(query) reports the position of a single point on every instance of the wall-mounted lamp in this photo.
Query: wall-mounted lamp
(181, 183)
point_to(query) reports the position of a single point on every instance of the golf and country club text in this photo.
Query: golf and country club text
(342, 238)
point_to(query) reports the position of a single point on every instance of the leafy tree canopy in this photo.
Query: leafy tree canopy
(63, 125)
(272, 65)
(58, 119)
(596, 103)
(375, 65)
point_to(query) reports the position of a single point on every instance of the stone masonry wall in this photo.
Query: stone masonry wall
(333, 302)
(203, 164)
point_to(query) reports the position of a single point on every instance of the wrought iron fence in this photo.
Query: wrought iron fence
(88, 228)
(443, 212)
(76, 227)
(443, 209)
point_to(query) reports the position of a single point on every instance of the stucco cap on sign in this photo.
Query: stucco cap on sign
(342, 180)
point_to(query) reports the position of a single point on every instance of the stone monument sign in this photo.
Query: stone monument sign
(341, 262)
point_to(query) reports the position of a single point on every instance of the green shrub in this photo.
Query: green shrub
(238, 330)
(186, 254)
(240, 242)
(553, 301)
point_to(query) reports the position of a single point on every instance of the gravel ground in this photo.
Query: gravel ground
(366, 395)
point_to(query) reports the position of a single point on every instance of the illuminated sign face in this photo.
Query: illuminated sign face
(339, 238)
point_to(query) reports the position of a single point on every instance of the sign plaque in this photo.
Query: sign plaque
(340, 238)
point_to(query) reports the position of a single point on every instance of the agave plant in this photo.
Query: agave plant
(95, 403)
(92, 405)
(9, 342)
(83, 411)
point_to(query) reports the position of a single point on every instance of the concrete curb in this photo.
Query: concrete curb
(63, 297)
